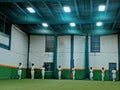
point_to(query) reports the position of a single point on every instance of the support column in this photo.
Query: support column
(27, 71)
(119, 55)
(86, 58)
(55, 56)
(72, 55)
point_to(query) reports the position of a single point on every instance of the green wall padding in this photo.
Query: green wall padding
(5, 73)
(97, 75)
(65, 74)
(10, 73)
(48, 75)
(79, 74)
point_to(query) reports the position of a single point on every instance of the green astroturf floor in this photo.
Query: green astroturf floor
(38, 84)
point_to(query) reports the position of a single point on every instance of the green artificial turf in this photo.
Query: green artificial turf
(38, 84)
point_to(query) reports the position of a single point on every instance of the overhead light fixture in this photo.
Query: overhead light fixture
(101, 8)
(30, 9)
(66, 9)
(72, 24)
(44, 24)
(99, 24)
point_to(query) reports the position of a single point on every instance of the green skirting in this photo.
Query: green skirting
(12, 73)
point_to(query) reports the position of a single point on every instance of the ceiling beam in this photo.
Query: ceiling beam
(80, 25)
(61, 7)
(19, 8)
(41, 16)
(114, 24)
(60, 27)
(91, 12)
(118, 15)
(26, 0)
(35, 9)
(77, 21)
(3, 16)
(76, 8)
(107, 3)
(91, 8)
(47, 8)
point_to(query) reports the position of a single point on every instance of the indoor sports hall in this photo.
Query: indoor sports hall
(59, 44)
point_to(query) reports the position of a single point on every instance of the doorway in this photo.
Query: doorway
(111, 67)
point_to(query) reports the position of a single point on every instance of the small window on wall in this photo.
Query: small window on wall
(4, 27)
(49, 43)
(48, 66)
(5, 34)
(95, 43)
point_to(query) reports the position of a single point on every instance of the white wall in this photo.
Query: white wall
(63, 53)
(79, 51)
(37, 53)
(19, 47)
(108, 52)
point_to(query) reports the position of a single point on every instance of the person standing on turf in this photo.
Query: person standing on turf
(114, 74)
(32, 71)
(73, 72)
(43, 72)
(20, 70)
(59, 72)
(91, 73)
(103, 73)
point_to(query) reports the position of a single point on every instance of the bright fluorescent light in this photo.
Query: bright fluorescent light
(31, 10)
(44, 24)
(72, 24)
(66, 9)
(99, 24)
(101, 8)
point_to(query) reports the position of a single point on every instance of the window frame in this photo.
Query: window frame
(51, 66)
(6, 32)
(95, 43)
(47, 43)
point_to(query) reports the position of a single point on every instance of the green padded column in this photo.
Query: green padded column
(72, 55)
(27, 71)
(86, 57)
(55, 56)
(119, 55)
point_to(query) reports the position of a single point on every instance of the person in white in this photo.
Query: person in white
(73, 72)
(114, 74)
(43, 72)
(20, 70)
(103, 73)
(59, 72)
(32, 71)
(91, 73)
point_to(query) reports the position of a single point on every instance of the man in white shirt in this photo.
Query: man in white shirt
(32, 71)
(103, 73)
(91, 73)
(20, 70)
(73, 72)
(114, 74)
(43, 72)
(59, 72)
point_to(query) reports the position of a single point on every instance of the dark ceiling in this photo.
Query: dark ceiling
(83, 12)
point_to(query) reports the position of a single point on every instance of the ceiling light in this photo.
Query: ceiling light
(31, 10)
(72, 24)
(44, 24)
(99, 24)
(66, 9)
(101, 8)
